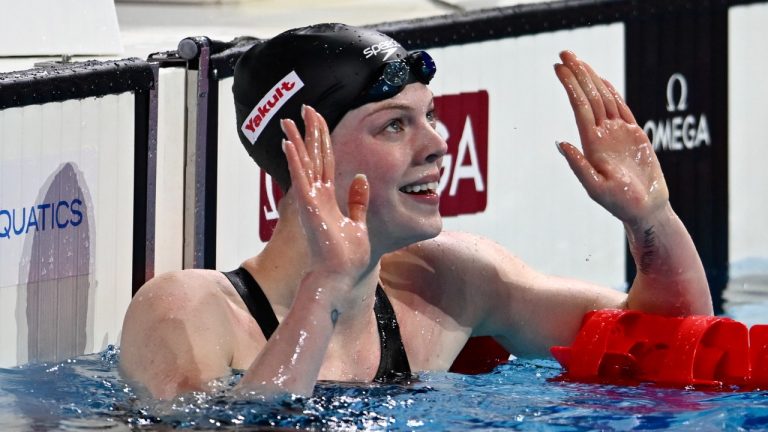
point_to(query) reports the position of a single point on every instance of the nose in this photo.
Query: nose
(434, 146)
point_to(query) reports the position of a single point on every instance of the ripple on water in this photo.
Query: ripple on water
(87, 393)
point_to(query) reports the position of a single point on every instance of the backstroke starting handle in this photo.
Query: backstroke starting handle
(628, 347)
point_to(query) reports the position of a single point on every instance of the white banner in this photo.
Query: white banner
(66, 226)
(59, 27)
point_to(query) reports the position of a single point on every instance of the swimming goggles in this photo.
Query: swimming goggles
(394, 76)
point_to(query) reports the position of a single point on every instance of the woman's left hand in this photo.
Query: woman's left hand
(618, 166)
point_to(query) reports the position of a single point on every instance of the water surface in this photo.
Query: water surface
(87, 393)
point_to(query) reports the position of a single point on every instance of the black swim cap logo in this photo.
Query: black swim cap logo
(387, 47)
(262, 113)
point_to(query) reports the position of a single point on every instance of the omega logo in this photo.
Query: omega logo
(678, 132)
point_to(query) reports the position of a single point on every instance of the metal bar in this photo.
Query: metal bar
(200, 169)
(59, 82)
(145, 175)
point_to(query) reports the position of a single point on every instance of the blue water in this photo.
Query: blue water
(86, 393)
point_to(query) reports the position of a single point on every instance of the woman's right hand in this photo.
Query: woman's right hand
(338, 243)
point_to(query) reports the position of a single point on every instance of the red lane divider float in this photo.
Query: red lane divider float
(625, 347)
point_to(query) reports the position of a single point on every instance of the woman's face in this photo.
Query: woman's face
(394, 143)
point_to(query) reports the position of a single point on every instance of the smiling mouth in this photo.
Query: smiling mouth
(420, 189)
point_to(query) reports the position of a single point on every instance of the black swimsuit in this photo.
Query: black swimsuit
(393, 364)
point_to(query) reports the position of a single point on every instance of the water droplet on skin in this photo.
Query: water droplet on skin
(280, 378)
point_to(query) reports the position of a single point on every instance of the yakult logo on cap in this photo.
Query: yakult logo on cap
(259, 117)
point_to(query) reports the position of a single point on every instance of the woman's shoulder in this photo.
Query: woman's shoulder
(177, 290)
(450, 258)
(455, 272)
(457, 259)
(459, 248)
(167, 321)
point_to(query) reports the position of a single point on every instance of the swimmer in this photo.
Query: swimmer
(359, 281)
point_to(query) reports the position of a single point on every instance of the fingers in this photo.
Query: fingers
(314, 149)
(299, 177)
(312, 139)
(609, 102)
(305, 166)
(582, 109)
(585, 84)
(358, 198)
(603, 99)
(328, 162)
(624, 111)
(585, 172)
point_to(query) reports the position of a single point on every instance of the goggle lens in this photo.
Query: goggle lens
(426, 67)
(394, 75)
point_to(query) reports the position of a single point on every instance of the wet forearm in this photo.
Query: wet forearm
(291, 360)
(670, 277)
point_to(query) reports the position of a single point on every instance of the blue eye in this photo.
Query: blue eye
(432, 118)
(395, 125)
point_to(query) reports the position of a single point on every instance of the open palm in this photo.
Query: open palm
(338, 243)
(618, 167)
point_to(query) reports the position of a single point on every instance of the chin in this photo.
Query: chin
(416, 233)
(429, 229)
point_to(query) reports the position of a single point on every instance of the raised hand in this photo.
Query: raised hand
(339, 244)
(618, 168)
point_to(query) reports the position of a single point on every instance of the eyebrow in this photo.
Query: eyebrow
(389, 105)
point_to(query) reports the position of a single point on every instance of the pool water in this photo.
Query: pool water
(86, 393)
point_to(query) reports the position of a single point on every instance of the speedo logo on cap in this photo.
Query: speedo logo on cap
(387, 47)
(259, 117)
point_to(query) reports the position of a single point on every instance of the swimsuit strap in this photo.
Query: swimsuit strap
(254, 298)
(394, 360)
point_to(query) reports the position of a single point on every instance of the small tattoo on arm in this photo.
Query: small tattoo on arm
(334, 316)
(649, 250)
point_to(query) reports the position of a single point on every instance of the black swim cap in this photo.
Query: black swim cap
(329, 67)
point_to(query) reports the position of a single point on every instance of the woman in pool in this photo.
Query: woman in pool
(359, 282)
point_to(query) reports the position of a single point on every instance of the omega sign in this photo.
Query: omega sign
(680, 131)
(464, 176)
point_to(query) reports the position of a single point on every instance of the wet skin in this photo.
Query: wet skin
(352, 219)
